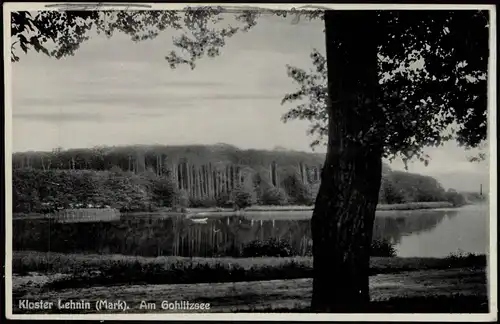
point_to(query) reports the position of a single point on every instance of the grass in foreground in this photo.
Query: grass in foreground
(88, 270)
(431, 304)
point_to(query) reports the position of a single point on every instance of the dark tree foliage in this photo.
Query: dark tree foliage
(415, 187)
(271, 248)
(456, 198)
(432, 70)
(125, 157)
(60, 33)
(164, 191)
(243, 196)
(273, 196)
(33, 189)
(297, 191)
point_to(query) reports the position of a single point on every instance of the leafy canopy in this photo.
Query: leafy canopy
(432, 65)
(65, 31)
(432, 71)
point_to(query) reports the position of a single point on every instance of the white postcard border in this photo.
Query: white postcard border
(492, 256)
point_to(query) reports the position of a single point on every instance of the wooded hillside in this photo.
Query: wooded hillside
(144, 178)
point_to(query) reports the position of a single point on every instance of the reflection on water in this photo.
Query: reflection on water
(466, 230)
(415, 233)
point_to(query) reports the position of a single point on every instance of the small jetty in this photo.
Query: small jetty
(80, 215)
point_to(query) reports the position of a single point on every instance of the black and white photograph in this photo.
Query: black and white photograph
(270, 161)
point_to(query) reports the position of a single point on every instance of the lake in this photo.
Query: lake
(417, 233)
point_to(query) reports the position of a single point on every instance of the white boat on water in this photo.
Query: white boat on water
(199, 220)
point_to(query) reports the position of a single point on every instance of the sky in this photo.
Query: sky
(117, 92)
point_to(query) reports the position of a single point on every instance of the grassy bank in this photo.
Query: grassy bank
(95, 270)
(450, 290)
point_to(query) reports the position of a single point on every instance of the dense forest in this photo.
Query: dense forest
(158, 158)
(145, 178)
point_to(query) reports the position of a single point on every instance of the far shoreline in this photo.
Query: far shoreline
(277, 210)
(257, 210)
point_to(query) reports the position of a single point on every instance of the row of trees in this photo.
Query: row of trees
(41, 191)
(157, 158)
(38, 190)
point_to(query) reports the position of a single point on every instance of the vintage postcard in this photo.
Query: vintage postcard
(237, 162)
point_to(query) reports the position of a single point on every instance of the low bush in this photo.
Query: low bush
(243, 196)
(274, 197)
(224, 200)
(298, 192)
(269, 248)
(382, 248)
(455, 198)
(379, 248)
(466, 259)
(201, 202)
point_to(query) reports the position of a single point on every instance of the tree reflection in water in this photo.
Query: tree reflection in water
(157, 235)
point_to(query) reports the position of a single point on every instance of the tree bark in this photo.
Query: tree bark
(188, 180)
(210, 179)
(344, 212)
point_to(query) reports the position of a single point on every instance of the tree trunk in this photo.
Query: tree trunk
(188, 179)
(199, 182)
(210, 180)
(344, 212)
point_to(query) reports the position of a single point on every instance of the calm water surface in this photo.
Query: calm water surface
(424, 233)
(465, 229)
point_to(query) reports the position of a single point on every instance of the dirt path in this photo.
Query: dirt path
(279, 294)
